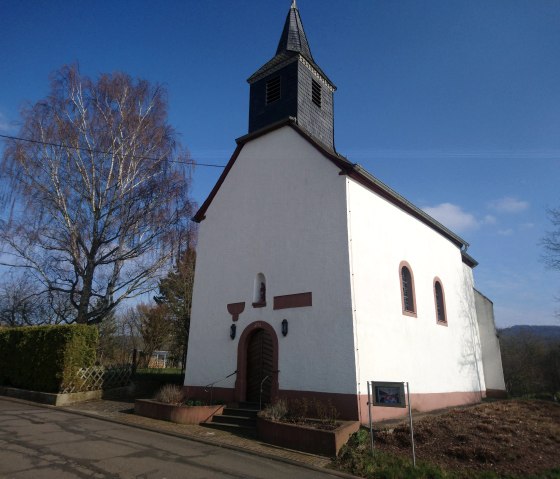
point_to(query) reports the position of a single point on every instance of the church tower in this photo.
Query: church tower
(291, 84)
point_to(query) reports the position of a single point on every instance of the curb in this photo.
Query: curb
(208, 442)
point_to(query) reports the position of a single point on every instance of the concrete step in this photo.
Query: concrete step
(248, 413)
(238, 420)
(233, 428)
(235, 419)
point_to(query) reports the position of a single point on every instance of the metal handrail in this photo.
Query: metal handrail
(211, 385)
(260, 394)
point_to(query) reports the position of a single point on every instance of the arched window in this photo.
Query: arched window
(259, 292)
(407, 289)
(439, 299)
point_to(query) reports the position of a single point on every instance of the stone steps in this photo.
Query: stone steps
(240, 420)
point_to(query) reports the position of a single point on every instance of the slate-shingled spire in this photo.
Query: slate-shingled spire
(291, 84)
(293, 37)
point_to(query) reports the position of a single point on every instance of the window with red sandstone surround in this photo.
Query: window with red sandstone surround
(407, 289)
(439, 299)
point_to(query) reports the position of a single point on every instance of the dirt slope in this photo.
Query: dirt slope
(520, 437)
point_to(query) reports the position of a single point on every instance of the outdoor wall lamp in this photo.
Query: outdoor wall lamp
(284, 327)
(232, 330)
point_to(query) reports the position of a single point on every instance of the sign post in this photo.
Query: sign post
(411, 428)
(390, 394)
(369, 411)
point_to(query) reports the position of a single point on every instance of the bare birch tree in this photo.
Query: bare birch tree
(99, 193)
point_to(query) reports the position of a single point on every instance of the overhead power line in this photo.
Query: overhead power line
(99, 152)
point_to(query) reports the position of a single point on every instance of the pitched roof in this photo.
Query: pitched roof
(277, 62)
(354, 171)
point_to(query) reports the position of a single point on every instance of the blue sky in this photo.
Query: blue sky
(455, 104)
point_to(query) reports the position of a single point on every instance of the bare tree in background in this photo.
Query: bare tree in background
(19, 305)
(551, 242)
(22, 303)
(155, 327)
(99, 196)
(119, 336)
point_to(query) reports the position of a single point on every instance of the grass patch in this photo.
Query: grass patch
(355, 458)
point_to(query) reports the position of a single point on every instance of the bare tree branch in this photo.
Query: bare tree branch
(100, 195)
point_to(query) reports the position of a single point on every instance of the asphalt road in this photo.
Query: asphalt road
(37, 442)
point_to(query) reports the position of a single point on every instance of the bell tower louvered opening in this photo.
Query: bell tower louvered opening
(316, 93)
(272, 90)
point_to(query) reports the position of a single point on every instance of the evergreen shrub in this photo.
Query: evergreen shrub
(44, 358)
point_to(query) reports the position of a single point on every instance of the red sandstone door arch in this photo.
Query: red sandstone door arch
(257, 357)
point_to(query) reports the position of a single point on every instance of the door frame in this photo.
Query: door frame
(241, 380)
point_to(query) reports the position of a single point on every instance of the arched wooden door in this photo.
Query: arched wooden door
(260, 367)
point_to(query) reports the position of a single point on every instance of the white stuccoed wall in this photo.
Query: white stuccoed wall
(395, 347)
(285, 211)
(282, 212)
(491, 355)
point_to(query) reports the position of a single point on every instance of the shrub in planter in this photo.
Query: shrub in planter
(316, 413)
(148, 381)
(289, 425)
(169, 405)
(170, 394)
(276, 411)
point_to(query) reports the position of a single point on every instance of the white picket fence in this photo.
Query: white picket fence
(96, 378)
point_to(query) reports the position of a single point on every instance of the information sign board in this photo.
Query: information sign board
(388, 394)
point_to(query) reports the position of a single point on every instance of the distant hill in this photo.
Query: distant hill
(549, 333)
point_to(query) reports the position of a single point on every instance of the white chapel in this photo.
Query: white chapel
(313, 277)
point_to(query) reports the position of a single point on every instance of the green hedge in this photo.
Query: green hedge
(147, 382)
(43, 358)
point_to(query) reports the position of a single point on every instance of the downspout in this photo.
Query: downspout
(353, 299)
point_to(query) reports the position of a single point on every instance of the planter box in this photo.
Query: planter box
(305, 438)
(178, 414)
